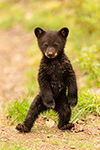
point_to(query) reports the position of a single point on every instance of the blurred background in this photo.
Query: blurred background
(82, 17)
(19, 63)
(19, 50)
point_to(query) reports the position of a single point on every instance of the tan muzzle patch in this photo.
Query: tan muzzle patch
(50, 55)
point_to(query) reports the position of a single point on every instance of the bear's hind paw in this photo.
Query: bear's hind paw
(68, 126)
(22, 128)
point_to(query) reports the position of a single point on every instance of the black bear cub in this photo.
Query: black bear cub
(55, 77)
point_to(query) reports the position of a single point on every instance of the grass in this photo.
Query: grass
(88, 102)
(14, 146)
(18, 109)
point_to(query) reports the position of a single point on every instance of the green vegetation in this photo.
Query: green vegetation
(17, 109)
(88, 102)
(90, 64)
(14, 146)
(83, 20)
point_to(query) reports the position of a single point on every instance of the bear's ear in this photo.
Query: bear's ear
(64, 32)
(38, 32)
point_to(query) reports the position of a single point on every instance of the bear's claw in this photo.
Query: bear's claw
(22, 128)
(68, 126)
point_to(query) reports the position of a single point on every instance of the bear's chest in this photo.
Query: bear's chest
(57, 73)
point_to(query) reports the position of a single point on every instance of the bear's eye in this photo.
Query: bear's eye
(56, 45)
(46, 45)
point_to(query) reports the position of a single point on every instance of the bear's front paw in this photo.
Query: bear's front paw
(50, 104)
(72, 101)
(22, 128)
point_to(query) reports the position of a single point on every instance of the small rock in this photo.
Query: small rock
(91, 117)
(72, 147)
(81, 129)
(79, 121)
(50, 123)
(64, 140)
(4, 139)
(43, 140)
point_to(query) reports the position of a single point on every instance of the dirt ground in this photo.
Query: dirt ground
(45, 135)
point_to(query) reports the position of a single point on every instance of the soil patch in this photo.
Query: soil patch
(13, 63)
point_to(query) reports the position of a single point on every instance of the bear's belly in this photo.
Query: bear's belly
(57, 87)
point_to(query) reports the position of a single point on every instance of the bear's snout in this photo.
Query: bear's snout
(50, 53)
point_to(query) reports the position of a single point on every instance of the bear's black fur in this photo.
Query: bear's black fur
(55, 76)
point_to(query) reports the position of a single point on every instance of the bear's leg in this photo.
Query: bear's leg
(64, 112)
(35, 109)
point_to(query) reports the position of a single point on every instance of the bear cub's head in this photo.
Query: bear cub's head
(51, 42)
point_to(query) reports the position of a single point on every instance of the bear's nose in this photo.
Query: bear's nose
(50, 54)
